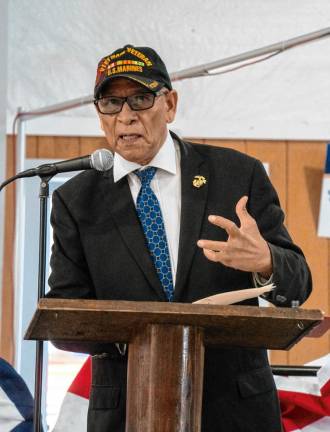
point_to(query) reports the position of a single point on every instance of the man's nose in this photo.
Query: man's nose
(127, 115)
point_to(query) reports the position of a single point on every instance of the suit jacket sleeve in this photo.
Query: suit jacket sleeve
(70, 277)
(291, 274)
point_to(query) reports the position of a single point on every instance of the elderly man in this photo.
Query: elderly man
(176, 222)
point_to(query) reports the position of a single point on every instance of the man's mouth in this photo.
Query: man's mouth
(129, 137)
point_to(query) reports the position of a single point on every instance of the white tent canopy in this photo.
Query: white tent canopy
(54, 47)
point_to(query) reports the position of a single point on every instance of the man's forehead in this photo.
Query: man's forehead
(122, 84)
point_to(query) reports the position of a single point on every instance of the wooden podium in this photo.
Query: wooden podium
(166, 347)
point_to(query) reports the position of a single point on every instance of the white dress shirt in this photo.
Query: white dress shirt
(166, 185)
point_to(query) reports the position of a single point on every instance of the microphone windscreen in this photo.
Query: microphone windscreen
(102, 159)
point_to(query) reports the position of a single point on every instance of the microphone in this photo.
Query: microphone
(100, 160)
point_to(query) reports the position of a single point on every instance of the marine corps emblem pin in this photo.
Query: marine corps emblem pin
(199, 181)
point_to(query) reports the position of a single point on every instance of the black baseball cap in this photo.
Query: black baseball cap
(140, 64)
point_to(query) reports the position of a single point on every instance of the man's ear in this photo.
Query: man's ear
(171, 105)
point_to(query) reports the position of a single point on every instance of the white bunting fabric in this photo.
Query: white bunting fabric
(305, 401)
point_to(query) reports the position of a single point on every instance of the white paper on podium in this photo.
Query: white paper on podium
(231, 297)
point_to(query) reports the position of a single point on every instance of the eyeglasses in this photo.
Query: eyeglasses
(137, 102)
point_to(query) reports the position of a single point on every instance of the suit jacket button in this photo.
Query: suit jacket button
(281, 299)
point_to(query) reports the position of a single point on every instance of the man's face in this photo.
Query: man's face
(137, 135)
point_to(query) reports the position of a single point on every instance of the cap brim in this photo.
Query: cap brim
(150, 84)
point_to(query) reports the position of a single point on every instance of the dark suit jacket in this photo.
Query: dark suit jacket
(100, 252)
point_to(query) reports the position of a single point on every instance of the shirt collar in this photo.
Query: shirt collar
(165, 159)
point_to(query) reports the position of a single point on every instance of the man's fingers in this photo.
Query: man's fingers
(211, 255)
(243, 215)
(241, 205)
(228, 225)
(212, 245)
(218, 257)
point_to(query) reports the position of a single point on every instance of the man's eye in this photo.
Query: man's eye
(109, 102)
(112, 101)
(142, 98)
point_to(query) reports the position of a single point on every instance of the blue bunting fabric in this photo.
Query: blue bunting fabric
(16, 402)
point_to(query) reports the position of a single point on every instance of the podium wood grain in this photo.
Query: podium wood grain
(165, 379)
(166, 347)
(119, 321)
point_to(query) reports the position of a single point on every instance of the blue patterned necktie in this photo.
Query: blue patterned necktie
(149, 212)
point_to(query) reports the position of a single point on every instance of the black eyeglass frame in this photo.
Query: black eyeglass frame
(127, 100)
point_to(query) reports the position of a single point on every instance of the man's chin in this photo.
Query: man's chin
(136, 157)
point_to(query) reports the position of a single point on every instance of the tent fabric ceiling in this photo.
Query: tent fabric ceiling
(54, 47)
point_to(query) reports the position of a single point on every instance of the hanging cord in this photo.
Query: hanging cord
(242, 65)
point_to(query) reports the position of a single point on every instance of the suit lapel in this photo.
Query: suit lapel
(125, 217)
(193, 202)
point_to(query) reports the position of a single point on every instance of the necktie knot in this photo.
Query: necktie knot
(146, 175)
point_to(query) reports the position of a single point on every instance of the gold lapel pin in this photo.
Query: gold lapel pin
(199, 181)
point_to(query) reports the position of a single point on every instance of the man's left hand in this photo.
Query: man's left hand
(245, 248)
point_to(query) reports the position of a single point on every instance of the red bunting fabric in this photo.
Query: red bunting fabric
(305, 401)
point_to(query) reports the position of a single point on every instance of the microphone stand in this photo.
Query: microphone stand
(43, 196)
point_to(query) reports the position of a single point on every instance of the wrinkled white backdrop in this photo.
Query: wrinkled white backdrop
(54, 46)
